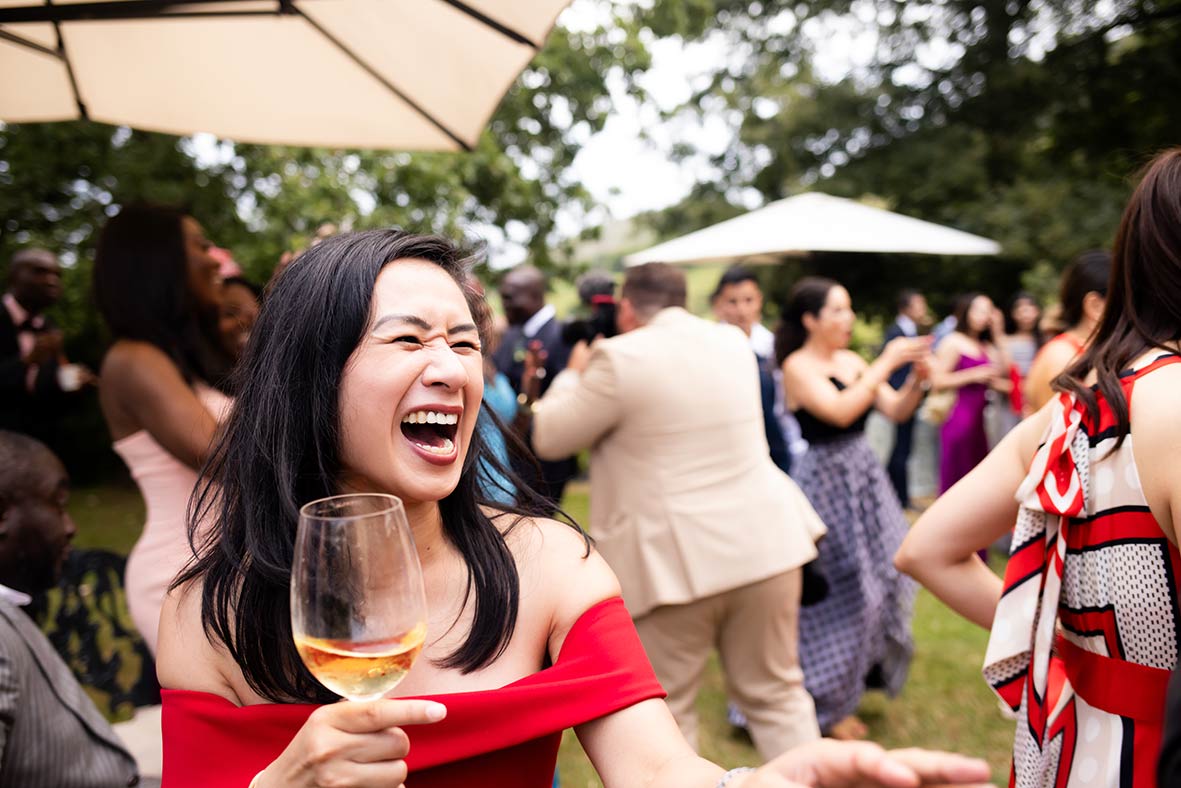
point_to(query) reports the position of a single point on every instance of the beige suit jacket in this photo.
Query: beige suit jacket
(685, 500)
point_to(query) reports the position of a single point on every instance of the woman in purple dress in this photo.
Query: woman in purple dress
(969, 361)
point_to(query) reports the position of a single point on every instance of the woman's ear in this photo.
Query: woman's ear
(808, 320)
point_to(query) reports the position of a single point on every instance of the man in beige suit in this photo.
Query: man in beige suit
(706, 535)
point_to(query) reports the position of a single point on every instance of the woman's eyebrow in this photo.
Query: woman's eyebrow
(418, 322)
(413, 320)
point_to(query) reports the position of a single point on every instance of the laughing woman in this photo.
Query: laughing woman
(527, 634)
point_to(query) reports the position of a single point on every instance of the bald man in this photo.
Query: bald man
(533, 323)
(31, 356)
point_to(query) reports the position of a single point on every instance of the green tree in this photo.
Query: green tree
(1024, 128)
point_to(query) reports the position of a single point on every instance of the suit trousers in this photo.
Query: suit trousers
(755, 629)
(899, 457)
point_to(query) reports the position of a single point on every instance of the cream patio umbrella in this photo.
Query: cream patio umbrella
(386, 74)
(812, 222)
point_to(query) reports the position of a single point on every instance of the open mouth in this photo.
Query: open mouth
(431, 431)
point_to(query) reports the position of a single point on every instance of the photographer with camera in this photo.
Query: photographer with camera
(596, 292)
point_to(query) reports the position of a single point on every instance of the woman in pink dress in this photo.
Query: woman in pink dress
(158, 290)
(1086, 624)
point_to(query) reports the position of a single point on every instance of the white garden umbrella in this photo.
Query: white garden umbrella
(812, 222)
(393, 74)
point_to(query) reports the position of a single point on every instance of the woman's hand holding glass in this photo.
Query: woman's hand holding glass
(359, 744)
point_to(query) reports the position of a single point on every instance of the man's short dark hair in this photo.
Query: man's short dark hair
(734, 275)
(654, 286)
(21, 457)
(905, 297)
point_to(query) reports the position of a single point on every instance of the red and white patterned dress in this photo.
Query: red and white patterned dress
(1088, 627)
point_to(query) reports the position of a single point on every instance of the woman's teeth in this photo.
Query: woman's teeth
(430, 417)
(447, 447)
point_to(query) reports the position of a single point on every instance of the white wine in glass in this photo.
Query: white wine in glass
(358, 609)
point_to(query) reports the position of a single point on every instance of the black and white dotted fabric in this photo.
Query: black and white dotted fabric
(865, 620)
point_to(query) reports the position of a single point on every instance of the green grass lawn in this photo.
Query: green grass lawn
(945, 704)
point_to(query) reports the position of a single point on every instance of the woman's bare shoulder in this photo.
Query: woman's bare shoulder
(1154, 402)
(131, 369)
(558, 562)
(849, 359)
(798, 363)
(186, 658)
(126, 355)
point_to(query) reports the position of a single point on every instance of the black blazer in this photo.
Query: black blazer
(22, 410)
(510, 356)
(510, 359)
(897, 377)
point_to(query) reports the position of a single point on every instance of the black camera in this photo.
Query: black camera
(596, 291)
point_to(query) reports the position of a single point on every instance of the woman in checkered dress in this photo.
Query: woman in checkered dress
(860, 632)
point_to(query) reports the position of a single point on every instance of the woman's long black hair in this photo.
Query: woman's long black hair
(281, 449)
(1011, 323)
(963, 305)
(807, 297)
(141, 287)
(1090, 272)
(1143, 294)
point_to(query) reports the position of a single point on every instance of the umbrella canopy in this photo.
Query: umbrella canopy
(812, 222)
(403, 74)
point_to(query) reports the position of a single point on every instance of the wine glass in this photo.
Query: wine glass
(358, 608)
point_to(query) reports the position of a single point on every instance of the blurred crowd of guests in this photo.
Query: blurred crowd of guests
(733, 490)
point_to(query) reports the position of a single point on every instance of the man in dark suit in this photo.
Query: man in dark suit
(51, 734)
(533, 327)
(34, 372)
(912, 314)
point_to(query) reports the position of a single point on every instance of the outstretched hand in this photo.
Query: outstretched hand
(833, 764)
(906, 350)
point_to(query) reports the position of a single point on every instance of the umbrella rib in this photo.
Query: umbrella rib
(65, 58)
(391, 87)
(503, 29)
(24, 42)
(120, 9)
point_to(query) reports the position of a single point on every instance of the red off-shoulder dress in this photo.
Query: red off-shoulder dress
(503, 737)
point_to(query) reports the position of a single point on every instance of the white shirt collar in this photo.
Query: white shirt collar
(539, 319)
(762, 341)
(14, 597)
(907, 325)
